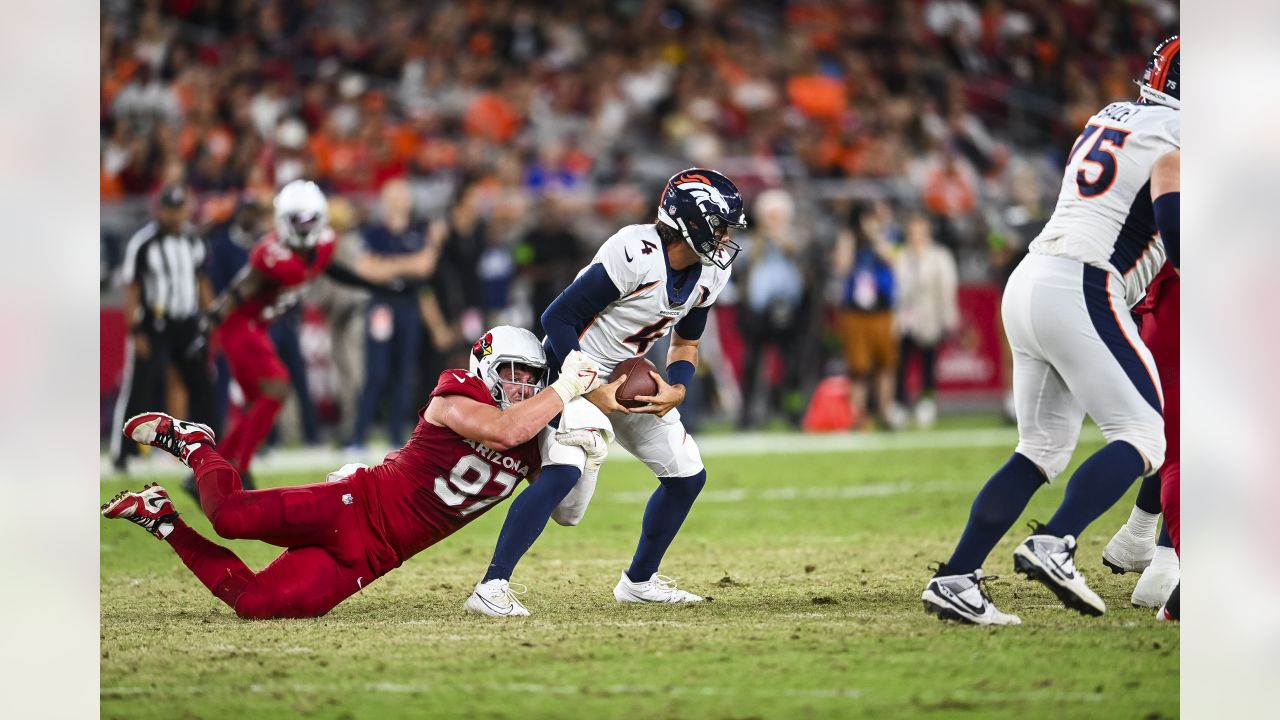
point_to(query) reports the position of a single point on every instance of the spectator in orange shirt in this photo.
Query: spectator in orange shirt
(948, 190)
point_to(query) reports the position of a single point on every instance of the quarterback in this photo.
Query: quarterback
(1076, 350)
(644, 282)
(474, 442)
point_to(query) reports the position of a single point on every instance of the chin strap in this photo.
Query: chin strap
(1155, 96)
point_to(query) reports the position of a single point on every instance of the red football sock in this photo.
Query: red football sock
(1171, 501)
(251, 431)
(218, 568)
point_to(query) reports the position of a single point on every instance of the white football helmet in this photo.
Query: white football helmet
(302, 214)
(504, 345)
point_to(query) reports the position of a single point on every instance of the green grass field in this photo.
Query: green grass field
(813, 565)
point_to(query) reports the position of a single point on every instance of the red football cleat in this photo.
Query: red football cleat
(179, 437)
(149, 508)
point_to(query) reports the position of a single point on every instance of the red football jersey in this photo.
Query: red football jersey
(287, 269)
(440, 481)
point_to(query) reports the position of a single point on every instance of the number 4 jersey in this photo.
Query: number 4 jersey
(1104, 216)
(440, 481)
(652, 299)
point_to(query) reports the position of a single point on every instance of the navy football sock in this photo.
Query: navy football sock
(1149, 494)
(667, 509)
(528, 516)
(1165, 540)
(994, 511)
(1097, 484)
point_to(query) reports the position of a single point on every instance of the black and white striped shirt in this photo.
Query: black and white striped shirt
(167, 267)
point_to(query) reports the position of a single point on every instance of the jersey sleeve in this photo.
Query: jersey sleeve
(624, 265)
(710, 288)
(464, 383)
(278, 263)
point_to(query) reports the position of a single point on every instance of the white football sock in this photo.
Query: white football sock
(1142, 523)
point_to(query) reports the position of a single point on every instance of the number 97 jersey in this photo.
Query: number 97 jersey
(1104, 217)
(651, 301)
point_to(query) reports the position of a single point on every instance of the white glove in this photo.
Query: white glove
(591, 442)
(573, 507)
(579, 375)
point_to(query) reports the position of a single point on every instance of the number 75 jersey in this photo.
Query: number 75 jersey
(1104, 216)
(646, 310)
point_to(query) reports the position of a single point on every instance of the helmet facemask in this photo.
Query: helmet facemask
(720, 250)
(301, 229)
(500, 386)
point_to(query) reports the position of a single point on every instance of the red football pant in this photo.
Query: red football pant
(1160, 333)
(322, 525)
(253, 359)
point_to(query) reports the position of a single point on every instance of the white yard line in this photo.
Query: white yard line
(976, 696)
(324, 459)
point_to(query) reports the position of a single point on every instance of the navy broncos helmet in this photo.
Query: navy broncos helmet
(1161, 81)
(703, 204)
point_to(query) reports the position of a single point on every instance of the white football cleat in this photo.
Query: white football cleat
(657, 589)
(149, 508)
(178, 437)
(1051, 560)
(1158, 580)
(1128, 551)
(964, 598)
(497, 598)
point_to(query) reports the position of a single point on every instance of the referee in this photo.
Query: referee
(166, 291)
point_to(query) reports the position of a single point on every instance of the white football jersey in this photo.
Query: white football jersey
(1104, 216)
(635, 262)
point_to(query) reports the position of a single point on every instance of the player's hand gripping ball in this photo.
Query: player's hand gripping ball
(639, 381)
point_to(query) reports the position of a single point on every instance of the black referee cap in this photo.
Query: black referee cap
(173, 196)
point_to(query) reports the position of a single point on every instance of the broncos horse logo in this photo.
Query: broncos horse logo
(700, 187)
(483, 347)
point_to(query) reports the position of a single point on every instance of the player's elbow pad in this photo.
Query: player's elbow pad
(1167, 210)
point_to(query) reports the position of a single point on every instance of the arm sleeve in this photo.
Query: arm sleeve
(346, 276)
(1167, 211)
(574, 309)
(692, 325)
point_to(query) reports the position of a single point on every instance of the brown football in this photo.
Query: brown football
(639, 381)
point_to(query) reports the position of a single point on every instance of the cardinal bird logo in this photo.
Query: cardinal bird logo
(483, 347)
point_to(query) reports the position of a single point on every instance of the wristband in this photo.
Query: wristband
(680, 372)
(564, 392)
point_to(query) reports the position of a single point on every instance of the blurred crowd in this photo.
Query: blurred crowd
(889, 151)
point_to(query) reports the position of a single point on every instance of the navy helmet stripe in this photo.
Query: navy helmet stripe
(1101, 313)
(1136, 234)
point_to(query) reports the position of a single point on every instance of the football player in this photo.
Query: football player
(474, 442)
(644, 282)
(1131, 548)
(1076, 350)
(279, 266)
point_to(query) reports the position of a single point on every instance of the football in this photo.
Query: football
(639, 381)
